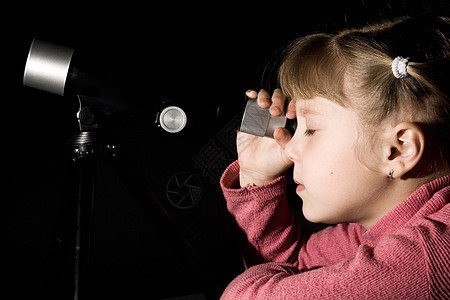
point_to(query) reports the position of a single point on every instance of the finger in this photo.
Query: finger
(282, 136)
(290, 110)
(263, 99)
(251, 94)
(278, 100)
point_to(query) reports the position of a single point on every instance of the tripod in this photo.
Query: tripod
(69, 271)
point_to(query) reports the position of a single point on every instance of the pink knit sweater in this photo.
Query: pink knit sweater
(405, 255)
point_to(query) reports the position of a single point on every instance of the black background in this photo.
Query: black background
(202, 57)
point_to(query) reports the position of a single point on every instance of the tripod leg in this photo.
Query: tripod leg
(83, 227)
(69, 260)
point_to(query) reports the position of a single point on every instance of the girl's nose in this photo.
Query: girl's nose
(289, 150)
(292, 149)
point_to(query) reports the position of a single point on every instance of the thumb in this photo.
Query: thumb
(282, 136)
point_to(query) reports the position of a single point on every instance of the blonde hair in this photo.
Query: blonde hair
(354, 69)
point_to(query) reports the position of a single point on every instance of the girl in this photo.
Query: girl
(370, 154)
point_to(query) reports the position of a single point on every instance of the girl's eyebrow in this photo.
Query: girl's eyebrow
(311, 107)
(308, 111)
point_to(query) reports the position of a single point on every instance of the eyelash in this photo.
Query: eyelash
(309, 132)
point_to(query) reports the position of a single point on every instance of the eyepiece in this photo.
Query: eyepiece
(258, 121)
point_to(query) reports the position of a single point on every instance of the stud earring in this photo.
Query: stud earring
(390, 174)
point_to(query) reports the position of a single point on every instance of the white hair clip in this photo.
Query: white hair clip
(399, 66)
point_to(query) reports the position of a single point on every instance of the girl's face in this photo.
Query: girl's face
(334, 185)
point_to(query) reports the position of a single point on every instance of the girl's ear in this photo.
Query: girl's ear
(406, 146)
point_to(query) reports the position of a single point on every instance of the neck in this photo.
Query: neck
(391, 195)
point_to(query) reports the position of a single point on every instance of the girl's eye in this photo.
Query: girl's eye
(309, 132)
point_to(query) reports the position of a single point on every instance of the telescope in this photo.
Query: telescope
(49, 68)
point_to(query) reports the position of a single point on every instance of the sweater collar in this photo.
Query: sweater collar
(420, 203)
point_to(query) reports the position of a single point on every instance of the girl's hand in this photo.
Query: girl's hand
(262, 159)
